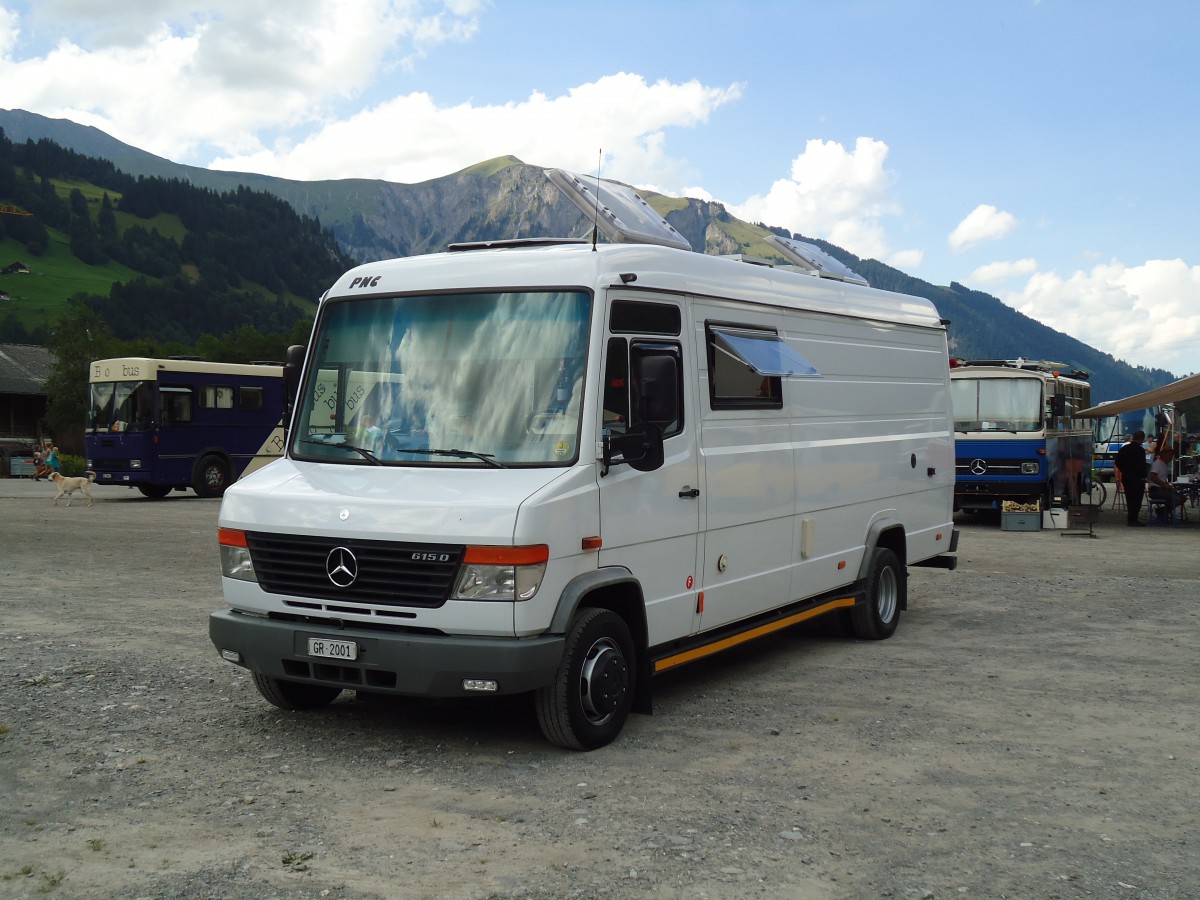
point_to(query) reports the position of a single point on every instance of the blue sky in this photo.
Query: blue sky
(1044, 152)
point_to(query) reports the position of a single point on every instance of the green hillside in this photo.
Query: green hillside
(38, 298)
(152, 257)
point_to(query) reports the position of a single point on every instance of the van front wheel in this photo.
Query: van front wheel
(591, 696)
(887, 583)
(294, 694)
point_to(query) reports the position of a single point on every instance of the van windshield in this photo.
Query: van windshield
(475, 380)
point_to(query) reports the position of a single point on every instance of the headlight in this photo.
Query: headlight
(135, 464)
(501, 573)
(235, 555)
(1029, 468)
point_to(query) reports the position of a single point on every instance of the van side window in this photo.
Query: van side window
(733, 382)
(638, 317)
(622, 406)
(616, 385)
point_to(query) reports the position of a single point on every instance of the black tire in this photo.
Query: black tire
(887, 586)
(592, 694)
(154, 491)
(212, 476)
(294, 694)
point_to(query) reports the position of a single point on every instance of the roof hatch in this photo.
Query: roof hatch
(617, 211)
(814, 260)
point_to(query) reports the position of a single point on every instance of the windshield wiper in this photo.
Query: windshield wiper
(346, 445)
(488, 458)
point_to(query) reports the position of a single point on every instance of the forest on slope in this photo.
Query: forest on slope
(170, 261)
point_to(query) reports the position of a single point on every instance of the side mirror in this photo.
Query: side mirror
(291, 372)
(641, 448)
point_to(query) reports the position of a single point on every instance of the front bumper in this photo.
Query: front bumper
(420, 665)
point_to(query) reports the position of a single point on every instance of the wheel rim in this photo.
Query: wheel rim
(214, 476)
(887, 595)
(603, 680)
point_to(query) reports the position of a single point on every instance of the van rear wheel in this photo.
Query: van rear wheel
(887, 586)
(294, 694)
(591, 696)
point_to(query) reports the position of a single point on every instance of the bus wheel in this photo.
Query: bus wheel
(212, 477)
(293, 694)
(590, 699)
(154, 491)
(877, 618)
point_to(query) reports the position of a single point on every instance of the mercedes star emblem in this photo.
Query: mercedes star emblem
(978, 467)
(341, 567)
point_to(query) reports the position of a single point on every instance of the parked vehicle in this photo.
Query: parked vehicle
(585, 465)
(163, 424)
(1016, 434)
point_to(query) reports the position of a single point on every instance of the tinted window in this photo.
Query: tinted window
(635, 317)
(251, 398)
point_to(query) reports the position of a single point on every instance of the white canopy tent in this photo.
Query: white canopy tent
(1183, 389)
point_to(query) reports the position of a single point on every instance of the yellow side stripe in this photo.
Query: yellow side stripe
(687, 656)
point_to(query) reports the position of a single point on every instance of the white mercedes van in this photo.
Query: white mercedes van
(561, 467)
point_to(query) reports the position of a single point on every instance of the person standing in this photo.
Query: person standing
(1131, 463)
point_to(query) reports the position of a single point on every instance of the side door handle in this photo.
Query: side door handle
(689, 492)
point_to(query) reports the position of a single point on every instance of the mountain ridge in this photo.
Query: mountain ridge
(508, 198)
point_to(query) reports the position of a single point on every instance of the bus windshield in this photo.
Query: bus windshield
(121, 406)
(480, 379)
(997, 404)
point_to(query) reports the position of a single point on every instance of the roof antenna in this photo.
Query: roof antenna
(596, 211)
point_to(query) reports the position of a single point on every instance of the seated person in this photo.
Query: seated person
(1160, 479)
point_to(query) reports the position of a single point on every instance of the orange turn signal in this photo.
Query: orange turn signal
(231, 537)
(508, 556)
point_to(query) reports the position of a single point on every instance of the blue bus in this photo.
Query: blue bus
(1016, 436)
(169, 424)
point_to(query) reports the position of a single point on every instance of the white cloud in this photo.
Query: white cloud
(1001, 271)
(410, 138)
(834, 194)
(983, 223)
(221, 77)
(10, 31)
(905, 260)
(1146, 315)
(261, 86)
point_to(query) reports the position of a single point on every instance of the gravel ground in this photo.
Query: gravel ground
(1030, 731)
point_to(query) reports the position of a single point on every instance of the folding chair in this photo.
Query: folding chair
(1159, 511)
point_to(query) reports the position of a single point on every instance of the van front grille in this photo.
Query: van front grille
(346, 570)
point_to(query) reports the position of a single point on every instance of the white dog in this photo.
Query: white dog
(68, 486)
